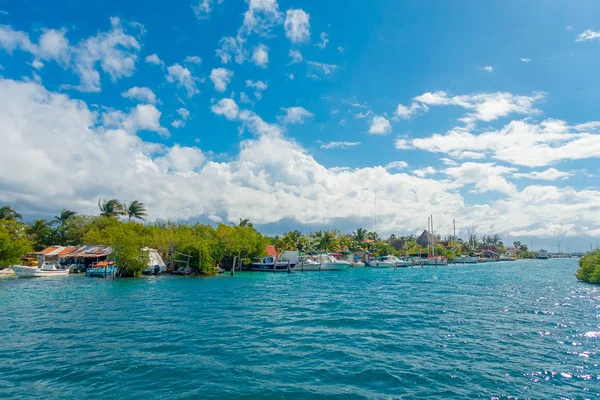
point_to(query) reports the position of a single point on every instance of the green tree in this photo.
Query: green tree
(245, 222)
(7, 213)
(136, 210)
(63, 217)
(111, 208)
(589, 267)
(40, 233)
(129, 258)
(13, 242)
(360, 237)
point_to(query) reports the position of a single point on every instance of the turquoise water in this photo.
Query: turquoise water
(525, 329)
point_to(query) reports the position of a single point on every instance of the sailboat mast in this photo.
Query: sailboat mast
(432, 237)
(428, 238)
(454, 238)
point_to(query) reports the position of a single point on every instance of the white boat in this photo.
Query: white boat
(543, 255)
(6, 272)
(156, 265)
(44, 270)
(329, 263)
(357, 264)
(466, 260)
(308, 264)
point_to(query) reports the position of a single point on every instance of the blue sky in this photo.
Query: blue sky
(484, 112)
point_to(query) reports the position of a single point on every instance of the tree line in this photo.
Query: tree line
(121, 226)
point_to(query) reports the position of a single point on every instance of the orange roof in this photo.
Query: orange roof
(58, 250)
(271, 250)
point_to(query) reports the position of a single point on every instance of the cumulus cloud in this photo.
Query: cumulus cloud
(221, 78)
(396, 165)
(380, 126)
(587, 35)
(525, 60)
(402, 144)
(295, 115)
(270, 179)
(142, 117)
(488, 68)
(203, 8)
(154, 59)
(521, 142)
(296, 56)
(192, 60)
(339, 145)
(551, 174)
(422, 173)
(115, 51)
(184, 115)
(297, 26)
(231, 47)
(142, 94)
(182, 78)
(481, 106)
(260, 17)
(260, 55)
(485, 177)
(258, 86)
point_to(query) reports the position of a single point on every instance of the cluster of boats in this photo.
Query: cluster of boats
(338, 262)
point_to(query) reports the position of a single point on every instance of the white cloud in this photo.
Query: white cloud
(114, 50)
(260, 17)
(551, 174)
(396, 165)
(154, 59)
(260, 55)
(203, 8)
(339, 145)
(142, 117)
(226, 107)
(407, 112)
(324, 41)
(193, 60)
(525, 60)
(231, 47)
(271, 179)
(322, 68)
(296, 56)
(485, 177)
(569, 28)
(403, 144)
(297, 26)
(448, 161)
(258, 86)
(483, 106)
(37, 64)
(380, 126)
(587, 35)
(221, 78)
(295, 115)
(142, 94)
(290, 77)
(340, 49)
(488, 68)
(183, 78)
(521, 142)
(422, 173)
(244, 98)
(184, 114)
(354, 103)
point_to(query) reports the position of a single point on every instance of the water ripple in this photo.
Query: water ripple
(506, 330)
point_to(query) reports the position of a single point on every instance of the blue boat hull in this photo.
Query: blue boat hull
(101, 272)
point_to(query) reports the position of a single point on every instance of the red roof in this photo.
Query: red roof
(271, 250)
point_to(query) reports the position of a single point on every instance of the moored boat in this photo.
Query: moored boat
(330, 263)
(6, 272)
(102, 269)
(268, 264)
(543, 255)
(43, 270)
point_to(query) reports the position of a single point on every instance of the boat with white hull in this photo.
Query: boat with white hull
(45, 270)
(268, 264)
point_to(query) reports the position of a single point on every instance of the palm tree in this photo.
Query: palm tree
(297, 240)
(246, 222)
(136, 210)
(360, 236)
(63, 217)
(37, 226)
(7, 213)
(111, 208)
(327, 241)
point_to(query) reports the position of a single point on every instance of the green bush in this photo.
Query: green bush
(589, 268)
